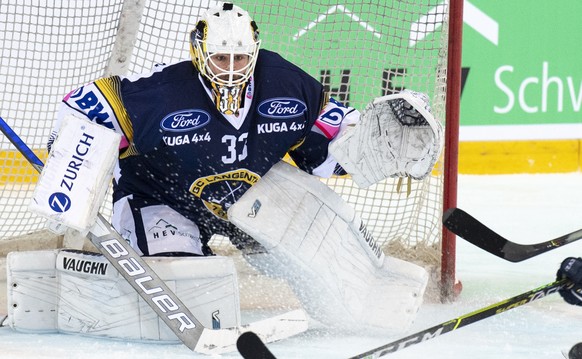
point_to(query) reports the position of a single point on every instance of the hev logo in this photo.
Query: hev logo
(185, 120)
(59, 202)
(282, 107)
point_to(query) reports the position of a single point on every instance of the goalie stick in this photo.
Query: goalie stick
(470, 229)
(252, 344)
(157, 294)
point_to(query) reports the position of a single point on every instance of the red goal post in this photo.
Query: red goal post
(358, 49)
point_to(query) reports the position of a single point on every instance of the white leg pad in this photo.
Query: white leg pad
(317, 242)
(32, 290)
(83, 294)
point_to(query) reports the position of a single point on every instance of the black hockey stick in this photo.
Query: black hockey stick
(464, 320)
(158, 295)
(470, 229)
(575, 352)
(250, 346)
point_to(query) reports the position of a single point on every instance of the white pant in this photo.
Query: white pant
(155, 229)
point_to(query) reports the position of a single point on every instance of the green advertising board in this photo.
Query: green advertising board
(357, 47)
(532, 73)
(520, 58)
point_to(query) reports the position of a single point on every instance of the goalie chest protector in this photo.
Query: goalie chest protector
(175, 133)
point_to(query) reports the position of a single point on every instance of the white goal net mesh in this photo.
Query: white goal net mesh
(358, 49)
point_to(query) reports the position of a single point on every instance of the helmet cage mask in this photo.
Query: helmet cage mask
(221, 42)
(226, 65)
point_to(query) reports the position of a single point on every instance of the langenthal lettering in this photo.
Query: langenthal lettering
(238, 176)
(144, 283)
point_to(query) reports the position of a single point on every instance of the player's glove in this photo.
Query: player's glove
(571, 268)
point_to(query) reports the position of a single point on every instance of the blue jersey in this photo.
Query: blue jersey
(179, 150)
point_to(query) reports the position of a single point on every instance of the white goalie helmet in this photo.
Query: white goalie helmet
(225, 45)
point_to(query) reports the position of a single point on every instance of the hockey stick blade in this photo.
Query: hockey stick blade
(158, 295)
(473, 231)
(575, 352)
(250, 346)
(268, 330)
(464, 320)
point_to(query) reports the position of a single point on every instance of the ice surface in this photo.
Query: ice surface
(523, 208)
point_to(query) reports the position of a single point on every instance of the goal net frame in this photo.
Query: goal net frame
(51, 47)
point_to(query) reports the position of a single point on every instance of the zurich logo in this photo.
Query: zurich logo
(185, 120)
(59, 202)
(282, 107)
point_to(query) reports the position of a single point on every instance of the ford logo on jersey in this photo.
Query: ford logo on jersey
(282, 107)
(185, 120)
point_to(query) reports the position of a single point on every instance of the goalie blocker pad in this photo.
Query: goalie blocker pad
(396, 136)
(319, 244)
(78, 292)
(77, 173)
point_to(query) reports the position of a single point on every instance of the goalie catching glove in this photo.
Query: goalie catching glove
(397, 136)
